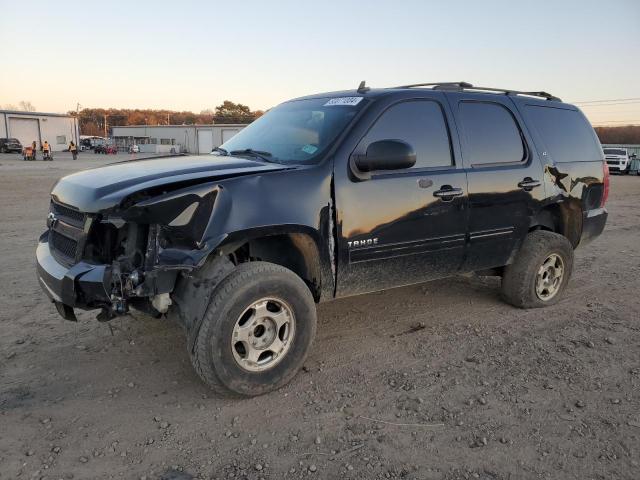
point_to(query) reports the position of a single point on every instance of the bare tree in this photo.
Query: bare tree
(27, 106)
(9, 106)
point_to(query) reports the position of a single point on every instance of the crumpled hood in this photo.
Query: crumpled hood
(105, 187)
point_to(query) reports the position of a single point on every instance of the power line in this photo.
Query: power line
(608, 104)
(610, 100)
(626, 122)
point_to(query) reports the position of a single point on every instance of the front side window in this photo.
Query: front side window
(491, 133)
(422, 125)
(299, 131)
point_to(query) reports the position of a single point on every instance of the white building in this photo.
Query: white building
(57, 129)
(176, 138)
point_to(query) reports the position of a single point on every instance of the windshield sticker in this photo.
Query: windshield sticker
(310, 149)
(351, 101)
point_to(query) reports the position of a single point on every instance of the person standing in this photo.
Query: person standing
(34, 149)
(46, 151)
(74, 150)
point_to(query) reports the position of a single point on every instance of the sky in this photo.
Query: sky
(189, 55)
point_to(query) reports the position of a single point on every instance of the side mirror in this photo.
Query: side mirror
(386, 155)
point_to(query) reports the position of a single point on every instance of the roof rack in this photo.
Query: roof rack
(459, 86)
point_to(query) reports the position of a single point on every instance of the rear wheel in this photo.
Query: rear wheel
(256, 331)
(540, 272)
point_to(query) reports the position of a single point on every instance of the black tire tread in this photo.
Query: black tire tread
(517, 278)
(234, 280)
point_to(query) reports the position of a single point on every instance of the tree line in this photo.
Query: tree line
(629, 134)
(95, 121)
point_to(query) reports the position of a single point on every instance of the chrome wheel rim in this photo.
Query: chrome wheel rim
(263, 334)
(549, 277)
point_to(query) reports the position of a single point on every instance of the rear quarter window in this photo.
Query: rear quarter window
(566, 134)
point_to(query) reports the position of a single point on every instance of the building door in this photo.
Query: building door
(406, 226)
(205, 141)
(26, 130)
(227, 133)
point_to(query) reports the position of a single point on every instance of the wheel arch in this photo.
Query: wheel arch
(564, 218)
(296, 247)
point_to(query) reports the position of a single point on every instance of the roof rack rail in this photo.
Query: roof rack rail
(467, 86)
(438, 84)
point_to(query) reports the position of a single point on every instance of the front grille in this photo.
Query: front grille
(67, 214)
(66, 247)
(67, 234)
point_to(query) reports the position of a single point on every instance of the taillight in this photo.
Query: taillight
(605, 179)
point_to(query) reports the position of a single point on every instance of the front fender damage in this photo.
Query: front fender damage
(176, 225)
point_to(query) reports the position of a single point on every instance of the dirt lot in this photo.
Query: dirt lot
(440, 380)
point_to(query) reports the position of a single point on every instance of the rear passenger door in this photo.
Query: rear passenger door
(505, 176)
(404, 226)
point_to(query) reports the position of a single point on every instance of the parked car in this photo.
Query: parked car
(12, 145)
(323, 197)
(618, 159)
(105, 149)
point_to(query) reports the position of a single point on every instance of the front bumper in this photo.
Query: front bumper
(593, 223)
(84, 285)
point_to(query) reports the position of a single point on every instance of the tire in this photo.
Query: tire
(217, 360)
(521, 278)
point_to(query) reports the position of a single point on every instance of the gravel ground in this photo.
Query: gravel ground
(433, 381)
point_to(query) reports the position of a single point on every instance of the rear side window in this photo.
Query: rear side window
(421, 124)
(566, 134)
(492, 134)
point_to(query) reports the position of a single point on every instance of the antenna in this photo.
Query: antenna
(362, 88)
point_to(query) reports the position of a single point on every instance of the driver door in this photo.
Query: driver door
(403, 226)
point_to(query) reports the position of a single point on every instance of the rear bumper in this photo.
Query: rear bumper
(82, 286)
(593, 223)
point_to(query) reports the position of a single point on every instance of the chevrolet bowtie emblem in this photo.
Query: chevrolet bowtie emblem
(51, 220)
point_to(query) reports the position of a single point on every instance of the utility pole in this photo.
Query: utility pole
(78, 124)
(168, 119)
(105, 125)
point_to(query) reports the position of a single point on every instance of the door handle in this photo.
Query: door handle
(447, 193)
(529, 184)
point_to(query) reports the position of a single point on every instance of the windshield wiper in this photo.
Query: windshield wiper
(261, 154)
(221, 150)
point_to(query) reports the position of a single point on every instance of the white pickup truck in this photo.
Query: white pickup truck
(618, 159)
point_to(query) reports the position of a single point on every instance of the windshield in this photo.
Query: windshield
(614, 151)
(297, 131)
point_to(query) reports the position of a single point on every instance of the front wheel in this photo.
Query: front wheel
(257, 330)
(540, 272)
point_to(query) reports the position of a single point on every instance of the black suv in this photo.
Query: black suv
(10, 145)
(327, 196)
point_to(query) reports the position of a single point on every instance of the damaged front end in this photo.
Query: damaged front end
(126, 256)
